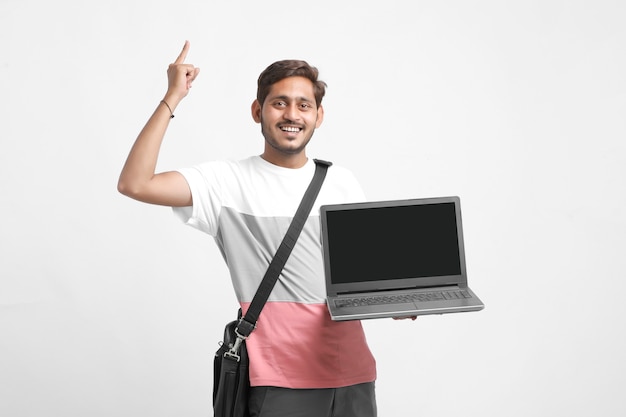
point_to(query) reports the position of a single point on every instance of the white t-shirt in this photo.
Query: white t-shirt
(247, 207)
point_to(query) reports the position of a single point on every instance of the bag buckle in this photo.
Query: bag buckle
(233, 352)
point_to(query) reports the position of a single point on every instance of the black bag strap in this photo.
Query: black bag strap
(248, 322)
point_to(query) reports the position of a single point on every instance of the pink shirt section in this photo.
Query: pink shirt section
(308, 350)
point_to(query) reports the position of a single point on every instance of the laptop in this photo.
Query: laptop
(395, 258)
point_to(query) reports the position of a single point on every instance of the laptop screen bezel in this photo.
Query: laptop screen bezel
(333, 289)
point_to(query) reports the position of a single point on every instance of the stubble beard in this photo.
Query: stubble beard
(272, 142)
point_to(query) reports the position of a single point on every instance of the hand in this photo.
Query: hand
(405, 318)
(180, 76)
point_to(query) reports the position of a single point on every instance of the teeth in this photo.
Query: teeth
(290, 129)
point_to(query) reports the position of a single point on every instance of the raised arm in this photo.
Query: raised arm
(138, 179)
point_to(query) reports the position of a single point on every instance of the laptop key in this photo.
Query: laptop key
(456, 295)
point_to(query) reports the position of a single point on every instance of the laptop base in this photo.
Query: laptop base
(349, 307)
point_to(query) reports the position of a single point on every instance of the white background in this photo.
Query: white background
(109, 307)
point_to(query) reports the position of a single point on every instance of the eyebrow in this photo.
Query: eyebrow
(287, 98)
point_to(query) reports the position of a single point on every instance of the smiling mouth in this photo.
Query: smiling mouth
(291, 129)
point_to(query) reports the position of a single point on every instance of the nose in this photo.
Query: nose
(291, 113)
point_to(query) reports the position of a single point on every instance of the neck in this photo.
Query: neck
(286, 161)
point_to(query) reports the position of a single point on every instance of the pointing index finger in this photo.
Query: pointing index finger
(183, 54)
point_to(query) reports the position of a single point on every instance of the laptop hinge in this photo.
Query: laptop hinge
(426, 289)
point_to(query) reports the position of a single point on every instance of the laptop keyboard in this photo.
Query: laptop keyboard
(402, 298)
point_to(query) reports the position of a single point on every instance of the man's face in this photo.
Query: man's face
(289, 117)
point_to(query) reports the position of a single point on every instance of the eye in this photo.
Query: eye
(280, 104)
(305, 106)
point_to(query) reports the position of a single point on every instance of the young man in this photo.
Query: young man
(301, 362)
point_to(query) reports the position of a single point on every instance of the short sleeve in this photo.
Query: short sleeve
(203, 181)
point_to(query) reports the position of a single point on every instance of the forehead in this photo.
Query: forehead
(293, 87)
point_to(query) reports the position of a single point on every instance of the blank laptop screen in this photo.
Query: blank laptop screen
(386, 243)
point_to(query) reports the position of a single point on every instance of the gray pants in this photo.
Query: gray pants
(353, 401)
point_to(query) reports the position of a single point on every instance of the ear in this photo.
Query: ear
(320, 116)
(256, 111)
